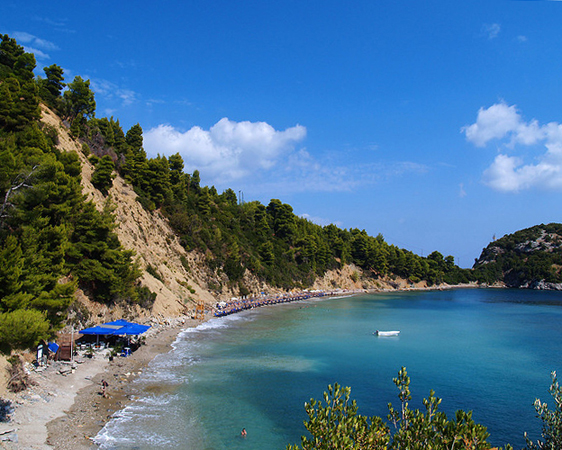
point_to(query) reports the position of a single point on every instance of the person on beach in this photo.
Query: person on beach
(104, 386)
(243, 433)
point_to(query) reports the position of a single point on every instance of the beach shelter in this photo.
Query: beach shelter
(127, 328)
(116, 328)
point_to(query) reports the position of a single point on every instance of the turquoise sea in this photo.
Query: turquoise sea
(486, 350)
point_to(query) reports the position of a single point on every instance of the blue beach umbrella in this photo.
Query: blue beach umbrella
(127, 328)
(116, 328)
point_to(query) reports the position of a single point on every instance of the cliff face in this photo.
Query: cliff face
(178, 285)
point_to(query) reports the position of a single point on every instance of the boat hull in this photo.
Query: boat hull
(387, 333)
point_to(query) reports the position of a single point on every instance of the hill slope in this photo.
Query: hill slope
(529, 258)
(178, 285)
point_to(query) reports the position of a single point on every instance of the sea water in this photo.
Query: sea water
(490, 351)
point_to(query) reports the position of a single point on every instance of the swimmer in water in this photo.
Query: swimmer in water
(243, 433)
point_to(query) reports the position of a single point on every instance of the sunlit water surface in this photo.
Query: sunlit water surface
(486, 350)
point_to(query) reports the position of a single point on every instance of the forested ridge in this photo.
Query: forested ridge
(52, 240)
(530, 258)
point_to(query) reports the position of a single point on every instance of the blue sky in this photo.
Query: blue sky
(435, 123)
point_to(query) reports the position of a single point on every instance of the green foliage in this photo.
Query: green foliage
(551, 420)
(431, 428)
(19, 103)
(145, 297)
(336, 424)
(102, 178)
(11, 270)
(51, 87)
(86, 149)
(51, 239)
(152, 271)
(523, 258)
(79, 99)
(107, 136)
(103, 267)
(134, 138)
(21, 329)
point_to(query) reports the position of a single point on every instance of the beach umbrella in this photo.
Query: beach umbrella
(116, 328)
(128, 328)
(98, 330)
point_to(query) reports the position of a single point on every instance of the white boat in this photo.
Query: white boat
(387, 333)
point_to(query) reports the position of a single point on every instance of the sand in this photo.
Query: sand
(65, 411)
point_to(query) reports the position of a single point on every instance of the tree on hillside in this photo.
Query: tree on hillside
(52, 86)
(10, 51)
(19, 103)
(79, 99)
(102, 178)
(282, 218)
(14, 61)
(134, 137)
(21, 329)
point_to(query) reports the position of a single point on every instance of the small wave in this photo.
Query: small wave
(217, 323)
(157, 400)
(132, 424)
(113, 439)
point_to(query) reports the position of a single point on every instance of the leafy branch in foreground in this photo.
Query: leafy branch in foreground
(552, 420)
(336, 424)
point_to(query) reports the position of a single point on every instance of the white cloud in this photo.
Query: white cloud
(320, 220)
(264, 160)
(492, 123)
(38, 53)
(491, 30)
(110, 91)
(32, 44)
(302, 172)
(228, 150)
(511, 173)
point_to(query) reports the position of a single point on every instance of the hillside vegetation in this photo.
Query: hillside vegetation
(529, 258)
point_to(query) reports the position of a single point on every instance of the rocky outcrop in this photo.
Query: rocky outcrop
(541, 285)
(528, 259)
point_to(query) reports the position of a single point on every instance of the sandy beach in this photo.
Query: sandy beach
(65, 409)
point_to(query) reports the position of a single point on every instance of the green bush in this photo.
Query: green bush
(152, 271)
(21, 329)
(336, 424)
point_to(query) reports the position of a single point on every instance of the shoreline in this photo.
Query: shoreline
(91, 411)
(66, 411)
(64, 408)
